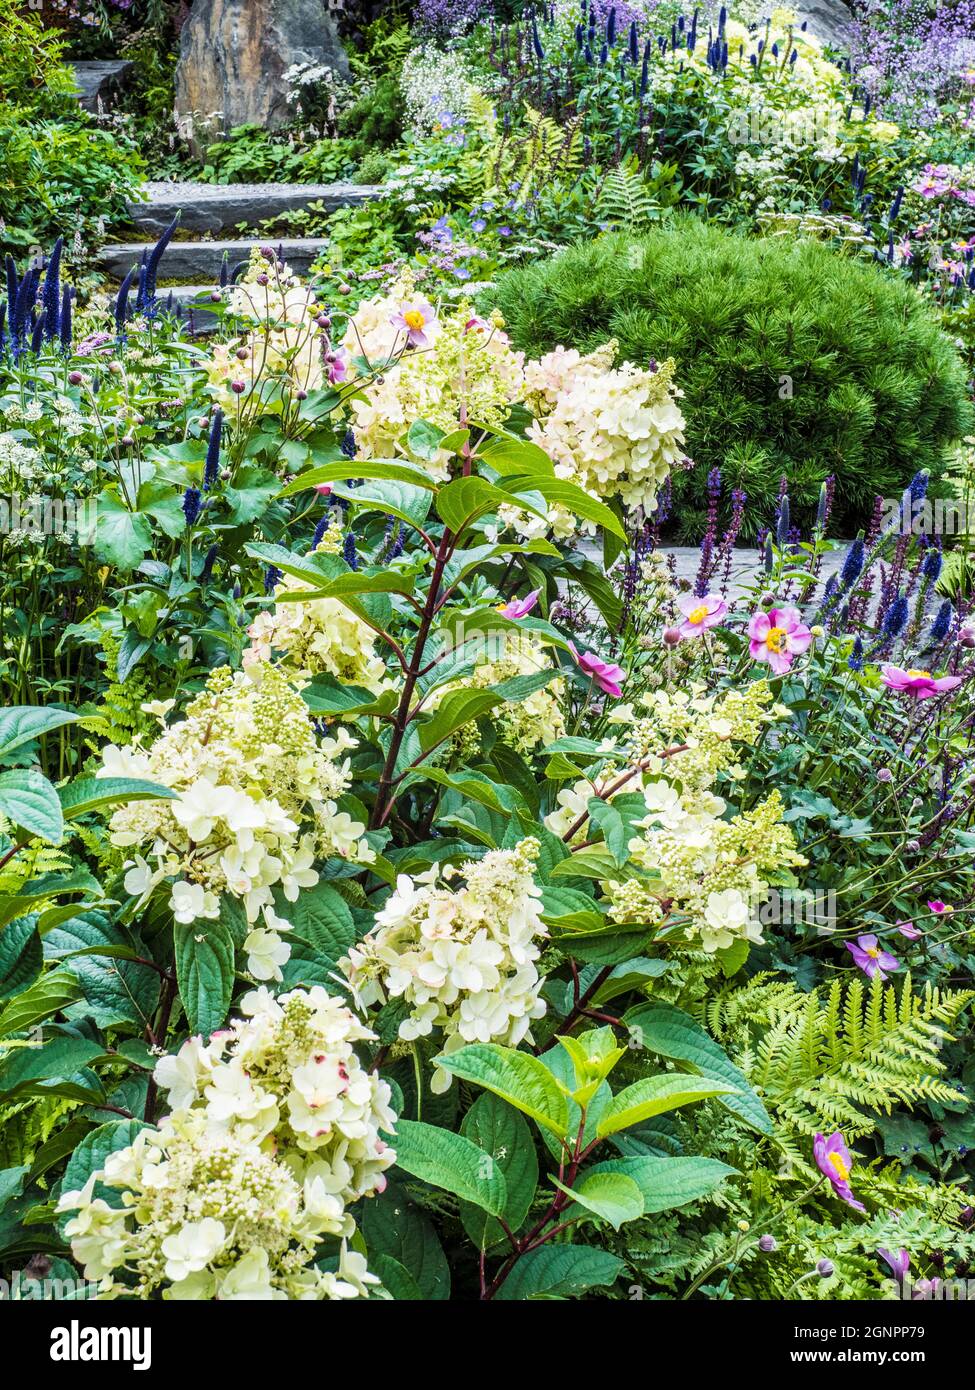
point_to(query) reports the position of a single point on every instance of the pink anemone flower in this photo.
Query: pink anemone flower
(919, 684)
(778, 637)
(519, 607)
(607, 675)
(414, 319)
(833, 1158)
(700, 613)
(871, 957)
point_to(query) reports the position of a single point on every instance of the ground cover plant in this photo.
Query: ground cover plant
(417, 880)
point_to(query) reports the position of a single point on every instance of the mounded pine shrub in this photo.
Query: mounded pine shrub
(793, 359)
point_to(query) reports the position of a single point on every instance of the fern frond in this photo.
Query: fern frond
(625, 201)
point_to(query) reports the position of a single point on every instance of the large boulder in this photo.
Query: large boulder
(233, 57)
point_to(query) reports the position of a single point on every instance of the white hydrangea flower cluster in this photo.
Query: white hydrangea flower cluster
(463, 960)
(319, 636)
(256, 807)
(466, 360)
(275, 1131)
(712, 869)
(616, 432)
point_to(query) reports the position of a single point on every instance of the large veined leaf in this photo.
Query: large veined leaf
(90, 793)
(568, 495)
(205, 973)
(455, 710)
(117, 989)
(29, 800)
(560, 1271)
(395, 1227)
(613, 1197)
(448, 1160)
(402, 500)
(60, 1058)
(501, 1131)
(22, 723)
(393, 470)
(464, 500)
(672, 1033)
(321, 917)
(668, 1182)
(517, 1077)
(655, 1095)
(21, 956)
(53, 991)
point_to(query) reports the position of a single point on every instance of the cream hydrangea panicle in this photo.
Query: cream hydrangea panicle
(275, 1132)
(319, 636)
(462, 959)
(256, 807)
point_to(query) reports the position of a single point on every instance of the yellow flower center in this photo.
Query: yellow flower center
(776, 639)
(414, 320)
(840, 1168)
(914, 673)
(872, 951)
(698, 614)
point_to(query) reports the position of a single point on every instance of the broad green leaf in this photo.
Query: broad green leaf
(22, 723)
(116, 988)
(205, 973)
(464, 500)
(653, 1096)
(671, 1033)
(61, 1057)
(502, 1132)
(560, 1271)
(668, 1182)
(392, 470)
(396, 1278)
(11, 1183)
(613, 1197)
(517, 1077)
(89, 793)
(29, 800)
(122, 537)
(629, 975)
(568, 495)
(323, 918)
(21, 956)
(448, 1160)
(53, 991)
(394, 1226)
(455, 710)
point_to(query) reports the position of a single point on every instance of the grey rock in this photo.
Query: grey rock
(233, 57)
(199, 262)
(829, 20)
(100, 80)
(207, 207)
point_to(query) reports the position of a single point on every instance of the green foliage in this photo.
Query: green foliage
(830, 365)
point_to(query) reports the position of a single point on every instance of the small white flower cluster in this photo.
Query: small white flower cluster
(256, 807)
(437, 89)
(463, 960)
(275, 1131)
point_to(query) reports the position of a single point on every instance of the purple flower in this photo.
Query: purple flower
(414, 319)
(871, 957)
(899, 1263)
(504, 231)
(607, 675)
(833, 1159)
(478, 224)
(909, 930)
(519, 607)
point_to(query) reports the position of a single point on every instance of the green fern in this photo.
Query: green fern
(625, 201)
(820, 1063)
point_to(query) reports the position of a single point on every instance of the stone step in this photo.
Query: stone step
(209, 207)
(199, 262)
(191, 298)
(100, 80)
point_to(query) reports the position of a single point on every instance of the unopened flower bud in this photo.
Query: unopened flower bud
(345, 289)
(767, 1244)
(671, 636)
(243, 354)
(262, 279)
(301, 395)
(884, 774)
(825, 1269)
(238, 387)
(75, 378)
